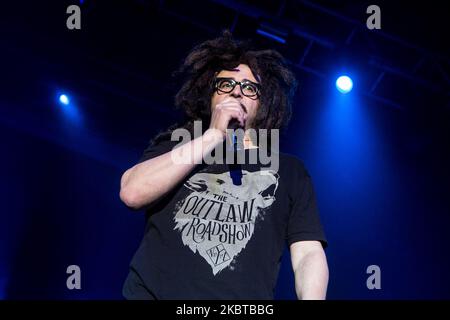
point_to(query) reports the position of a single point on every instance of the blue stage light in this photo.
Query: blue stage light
(64, 99)
(344, 84)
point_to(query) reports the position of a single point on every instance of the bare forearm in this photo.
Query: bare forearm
(311, 277)
(149, 180)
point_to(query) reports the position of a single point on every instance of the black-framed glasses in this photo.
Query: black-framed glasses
(248, 88)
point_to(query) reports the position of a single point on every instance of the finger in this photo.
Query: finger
(230, 99)
(239, 117)
(233, 103)
(231, 108)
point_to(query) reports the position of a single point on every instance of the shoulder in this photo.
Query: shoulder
(161, 144)
(157, 148)
(293, 162)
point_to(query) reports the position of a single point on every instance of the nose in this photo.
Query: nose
(236, 93)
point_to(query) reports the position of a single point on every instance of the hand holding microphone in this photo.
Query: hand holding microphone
(228, 114)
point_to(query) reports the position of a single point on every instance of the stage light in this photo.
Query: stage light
(344, 84)
(270, 35)
(64, 99)
(272, 31)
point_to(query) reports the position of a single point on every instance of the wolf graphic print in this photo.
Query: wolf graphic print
(218, 218)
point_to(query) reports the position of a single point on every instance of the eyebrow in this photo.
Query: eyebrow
(245, 79)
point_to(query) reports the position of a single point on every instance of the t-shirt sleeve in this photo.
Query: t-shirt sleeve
(156, 149)
(304, 221)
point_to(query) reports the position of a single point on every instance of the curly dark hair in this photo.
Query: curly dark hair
(198, 72)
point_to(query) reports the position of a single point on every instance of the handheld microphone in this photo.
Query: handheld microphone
(237, 145)
(235, 141)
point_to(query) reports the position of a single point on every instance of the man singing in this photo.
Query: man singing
(218, 230)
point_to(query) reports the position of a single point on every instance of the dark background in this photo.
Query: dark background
(379, 156)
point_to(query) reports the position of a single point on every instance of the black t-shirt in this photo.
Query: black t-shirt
(211, 238)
